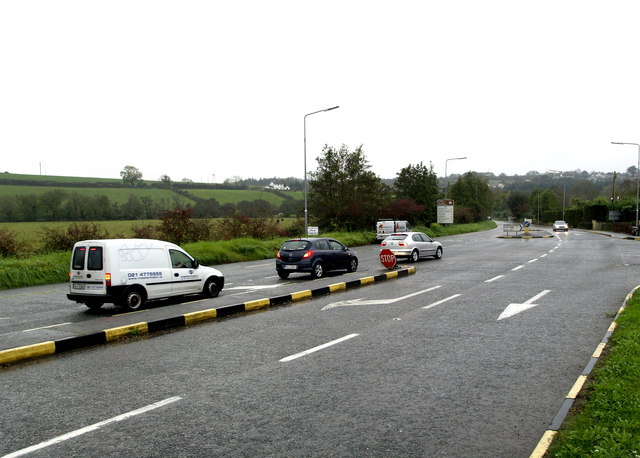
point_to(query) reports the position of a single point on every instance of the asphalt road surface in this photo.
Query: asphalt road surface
(470, 356)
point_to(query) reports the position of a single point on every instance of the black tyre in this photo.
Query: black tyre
(282, 274)
(94, 305)
(211, 288)
(353, 265)
(415, 256)
(318, 270)
(133, 299)
(438, 254)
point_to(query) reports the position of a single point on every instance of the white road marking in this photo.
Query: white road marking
(493, 279)
(95, 426)
(517, 268)
(260, 265)
(533, 260)
(543, 255)
(256, 287)
(513, 309)
(441, 301)
(361, 301)
(319, 347)
(45, 327)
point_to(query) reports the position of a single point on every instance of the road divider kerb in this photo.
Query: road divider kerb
(14, 355)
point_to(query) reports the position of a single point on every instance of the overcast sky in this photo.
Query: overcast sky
(208, 90)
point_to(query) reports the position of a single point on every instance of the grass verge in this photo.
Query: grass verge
(605, 420)
(54, 267)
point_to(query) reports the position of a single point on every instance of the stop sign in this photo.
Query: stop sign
(387, 258)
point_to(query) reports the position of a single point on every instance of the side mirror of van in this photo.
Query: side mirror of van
(196, 263)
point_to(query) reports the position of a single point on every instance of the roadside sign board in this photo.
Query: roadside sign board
(387, 258)
(313, 230)
(445, 211)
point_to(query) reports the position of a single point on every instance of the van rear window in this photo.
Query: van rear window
(78, 258)
(94, 261)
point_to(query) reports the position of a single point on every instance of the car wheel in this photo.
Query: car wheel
(94, 305)
(282, 274)
(438, 253)
(318, 270)
(133, 299)
(415, 255)
(211, 288)
(353, 265)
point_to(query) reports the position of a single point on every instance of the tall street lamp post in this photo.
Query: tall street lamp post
(306, 220)
(564, 190)
(637, 222)
(446, 183)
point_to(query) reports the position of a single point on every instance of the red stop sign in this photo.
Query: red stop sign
(387, 258)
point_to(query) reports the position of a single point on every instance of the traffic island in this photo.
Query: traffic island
(39, 350)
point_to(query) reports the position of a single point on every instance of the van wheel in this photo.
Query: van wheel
(318, 270)
(211, 288)
(133, 299)
(94, 305)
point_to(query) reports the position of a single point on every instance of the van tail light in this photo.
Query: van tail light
(107, 279)
(307, 255)
(278, 255)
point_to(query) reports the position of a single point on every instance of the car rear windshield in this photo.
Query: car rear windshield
(293, 245)
(397, 237)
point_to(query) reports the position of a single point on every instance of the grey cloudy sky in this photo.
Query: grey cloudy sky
(208, 90)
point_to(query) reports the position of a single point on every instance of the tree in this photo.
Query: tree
(420, 184)
(165, 181)
(131, 176)
(518, 203)
(472, 191)
(343, 192)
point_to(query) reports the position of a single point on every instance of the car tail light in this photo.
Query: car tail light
(308, 254)
(384, 244)
(402, 244)
(278, 255)
(107, 279)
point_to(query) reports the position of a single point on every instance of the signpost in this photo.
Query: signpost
(387, 258)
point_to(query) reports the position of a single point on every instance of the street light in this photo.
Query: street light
(306, 221)
(446, 188)
(638, 175)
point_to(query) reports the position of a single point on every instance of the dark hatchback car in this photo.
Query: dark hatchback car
(314, 255)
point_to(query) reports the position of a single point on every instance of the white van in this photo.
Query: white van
(386, 227)
(128, 272)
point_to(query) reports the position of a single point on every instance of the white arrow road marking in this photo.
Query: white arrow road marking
(514, 309)
(362, 301)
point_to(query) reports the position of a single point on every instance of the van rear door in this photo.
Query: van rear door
(88, 270)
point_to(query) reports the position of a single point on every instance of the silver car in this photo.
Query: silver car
(560, 226)
(412, 245)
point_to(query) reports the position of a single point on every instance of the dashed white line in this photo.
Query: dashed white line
(46, 327)
(319, 347)
(493, 279)
(517, 268)
(533, 260)
(95, 426)
(441, 301)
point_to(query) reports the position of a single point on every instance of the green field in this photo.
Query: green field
(115, 195)
(57, 179)
(224, 196)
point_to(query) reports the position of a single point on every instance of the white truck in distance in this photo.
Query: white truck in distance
(386, 227)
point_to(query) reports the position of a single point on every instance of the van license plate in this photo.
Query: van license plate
(76, 286)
